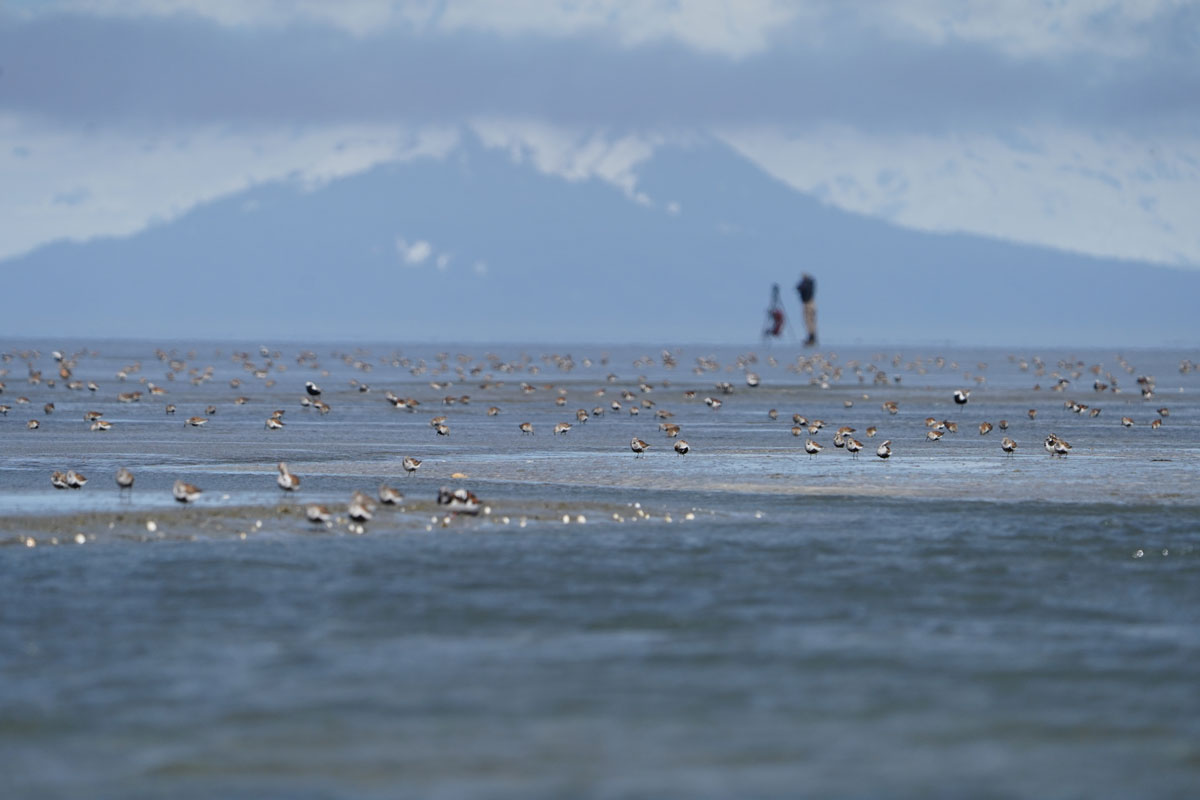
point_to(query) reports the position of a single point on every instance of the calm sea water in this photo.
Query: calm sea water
(745, 620)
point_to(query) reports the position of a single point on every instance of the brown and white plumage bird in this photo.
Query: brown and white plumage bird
(884, 450)
(853, 446)
(185, 492)
(411, 464)
(562, 427)
(526, 427)
(75, 480)
(638, 446)
(124, 479)
(682, 447)
(1008, 445)
(317, 513)
(811, 447)
(389, 496)
(985, 428)
(286, 480)
(459, 501)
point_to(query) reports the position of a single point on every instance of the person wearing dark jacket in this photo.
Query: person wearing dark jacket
(807, 287)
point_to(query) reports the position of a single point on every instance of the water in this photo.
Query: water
(741, 621)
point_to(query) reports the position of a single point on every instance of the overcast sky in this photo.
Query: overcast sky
(1069, 124)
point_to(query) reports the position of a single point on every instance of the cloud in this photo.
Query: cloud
(415, 253)
(68, 184)
(874, 66)
(572, 154)
(1071, 190)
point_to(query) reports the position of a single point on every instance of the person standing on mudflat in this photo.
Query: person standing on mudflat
(807, 287)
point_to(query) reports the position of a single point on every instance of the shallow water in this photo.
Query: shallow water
(743, 620)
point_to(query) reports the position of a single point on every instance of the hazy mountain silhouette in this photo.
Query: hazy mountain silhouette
(573, 262)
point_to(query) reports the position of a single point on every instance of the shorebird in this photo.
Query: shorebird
(312, 389)
(891, 406)
(442, 429)
(638, 447)
(48, 408)
(1155, 424)
(871, 431)
(459, 501)
(360, 508)
(853, 446)
(839, 441)
(124, 479)
(799, 419)
(811, 447)
(210, 411)
(1008, 445)
(526, 427)
(934, 436)
(410, 464)
(101, 425)
(682, 447)
(884, 450)
(1003, 424)
(797, 430)
(185, 492)
(274, 423)
(669, 428)
(961, 396)
(493, 411)
(1127, 422)
(92, 416)
(562, 427)
(752, 379)
(773, 414)
(581, 415)
(286, 480)
(985, 428)
(58, 480)
(196, 422)
(170, 408)
(1164, 412)
(317, 513)
(33, 425)
(389, 496)
(1032, 413)
(713, 403)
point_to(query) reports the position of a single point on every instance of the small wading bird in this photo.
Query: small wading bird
(317, 513)
(961, 396)
(985, 428)
(312, 389)
(196, 422)
(389, 496)
(459, 501)
(811, 447)
(853, 446)
(562, 427)
(682, 447)
(58, 480)
(884, 450)
(286, 480)
(75, 480)
(360, 508)
(185, 492)
(410, 464)
(638, 447)
(1008, 445)
(124, 479)
(526, 427)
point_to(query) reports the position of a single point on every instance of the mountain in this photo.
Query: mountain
(535, 258)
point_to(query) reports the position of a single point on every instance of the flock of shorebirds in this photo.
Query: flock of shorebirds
(823, 372)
